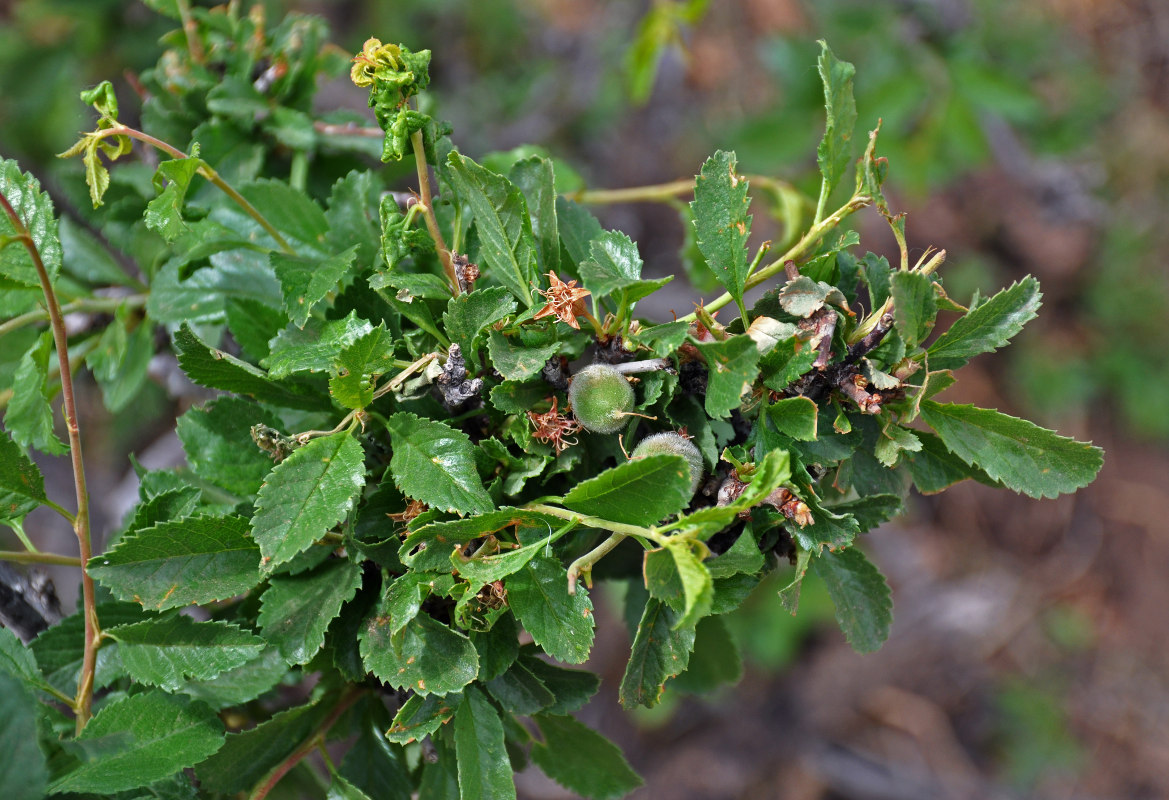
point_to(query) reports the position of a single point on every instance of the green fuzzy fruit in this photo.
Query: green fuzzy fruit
(676, 445)
(601, 397)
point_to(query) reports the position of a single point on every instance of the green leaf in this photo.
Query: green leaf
(292, 212)
(248, 756)
(121, 359)
(581, 760)
(715, 661)
(934, 468)
(420, 717)
(613, 264)
(306, 495)
(240, 685)
(536, 178)
(501, 217)
(696, 584)
(914, 306)
(314, 348)
(559, 622)
(141, 739)
(35, 210)
(88, 259)
(876, 272)
(660, 651)
(721, 221)
(429, 547)
(18, 660)
(238, 274)
(803, 296)
(870, 511)
(732, 367)
(341, 789)
(988, 326)
(173, 564)
(578, 228)
(486, 569)
(516, 362)
(172, 179)
(375, 767)
(435, 463)
(786, 362)
(572, 688)
(295, 610)
(358, 365)
(170, 650)
(485, 771)
(828, 529)
(835, 150)
(425, 655)
(216, 369)
(794, 416)
(24, 774)
(306, 281)
(353, 215)
(515, 397)
(219, 447)
(640, 492)
(519, 691)
(29, 417)
(469, 313)
(1021, 455)
(893, 441)
(864, 608)
(22, 487)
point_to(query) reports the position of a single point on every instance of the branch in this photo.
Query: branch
(424, 195)
(22, 557)
(84, 305)
(84, 701)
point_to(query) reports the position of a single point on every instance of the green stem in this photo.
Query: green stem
(208, 172)
(584, 564)
(425, 196)
(307, 746)
(656, 193)
(797, 251)
(822, 203)
(84, 701)
(18, 557)
(82, 306)
(596, 522)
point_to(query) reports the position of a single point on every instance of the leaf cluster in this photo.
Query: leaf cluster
(390, 493)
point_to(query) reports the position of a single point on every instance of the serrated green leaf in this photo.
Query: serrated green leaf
(246, 757)
(743, 557)
(501, 217)
(24, 774)
(240, 685)
(88, 259)
(613, 264)
(988, 326)
(536, 179)
(559, 622)
(572, 688)
(425, 655)
(864, 607)
(35, 210)
(18, 660)
(578, 228)
(306, 495)
(795, 416)
(173, 564)
(715, 661)
(828, 529)
(516, 362)
(375, 767)
(835, 150)
(420, 716)
(786, 362)
(519, 691)
(218, 443)
(306, 281)
(893, 441)
(484, 570)
(915, 306)
(934, 468)
(660, 651)
(29, 416)
(639, 492)
(581, 760)
(516, 397)
(314, 348)
(485, 771)
(870, 511)
(296, 610)
(216, 369)
(202, 297)
(170, 650)
(435, 463)
(429, 547)
(876, 273)
(121, 360)
(22, 487)
(721, 221)
(141, 739)
(292, 212)
(172, 179)
(358, 365)
(803, 296)
(696, 584)
(732, 366)
(341, 789)
(1019, 454)
(353, 215)
(468, 314)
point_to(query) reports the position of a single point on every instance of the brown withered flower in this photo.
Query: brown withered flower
(565, 300)
(554, 427)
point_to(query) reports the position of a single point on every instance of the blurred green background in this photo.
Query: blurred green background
(1029, 658)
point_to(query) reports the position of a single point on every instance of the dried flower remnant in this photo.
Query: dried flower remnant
(412, 510)
(553, 427)
(565, 301)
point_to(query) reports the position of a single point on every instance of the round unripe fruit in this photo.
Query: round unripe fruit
(600, 397)
(676, 445)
